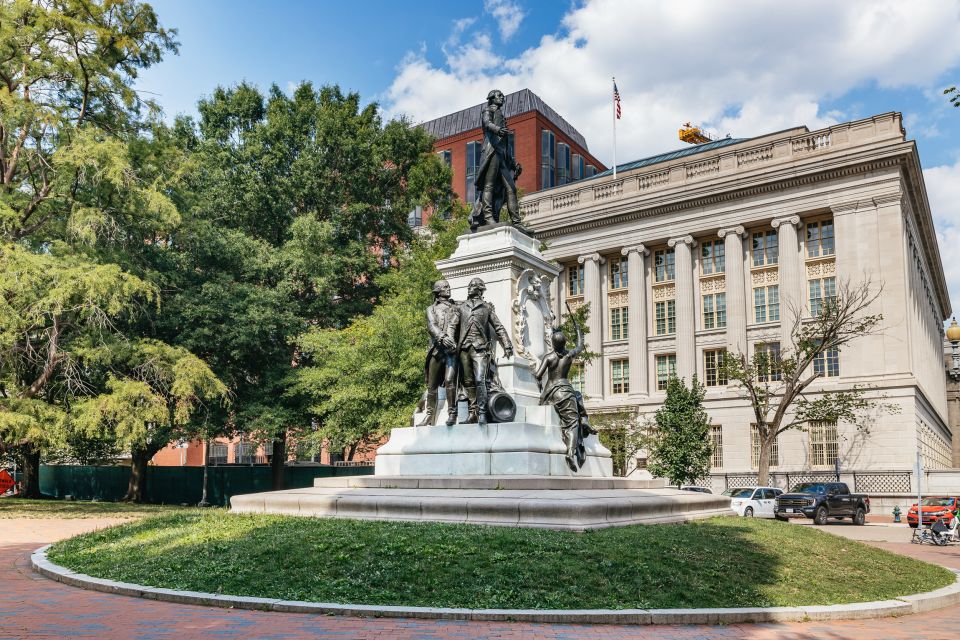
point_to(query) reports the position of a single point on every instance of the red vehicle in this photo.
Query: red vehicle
(934, 508)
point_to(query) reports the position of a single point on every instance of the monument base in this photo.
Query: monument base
(508, 448)
(549, 502)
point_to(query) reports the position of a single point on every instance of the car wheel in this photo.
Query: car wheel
(748, 512)
(820, 516)
(780, 518)
(859, 517)
(913, 525)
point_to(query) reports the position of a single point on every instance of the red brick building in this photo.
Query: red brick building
(551, 151)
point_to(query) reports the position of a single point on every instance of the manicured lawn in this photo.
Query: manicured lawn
(18, 508)
(722, 562)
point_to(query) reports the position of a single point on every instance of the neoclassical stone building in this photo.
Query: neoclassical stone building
(708, 248)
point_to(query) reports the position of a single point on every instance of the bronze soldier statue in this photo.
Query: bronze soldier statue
(495, 181)
(560, 393)
(441, 364)
(470, 325)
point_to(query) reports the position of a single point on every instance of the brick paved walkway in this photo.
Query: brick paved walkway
(35, 607)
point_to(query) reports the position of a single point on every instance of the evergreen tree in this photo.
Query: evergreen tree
(678, 442)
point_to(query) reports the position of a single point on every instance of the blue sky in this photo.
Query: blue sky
(745, 68)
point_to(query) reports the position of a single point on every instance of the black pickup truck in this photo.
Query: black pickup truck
(822, 500)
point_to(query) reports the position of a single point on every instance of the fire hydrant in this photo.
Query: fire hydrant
(896, 514)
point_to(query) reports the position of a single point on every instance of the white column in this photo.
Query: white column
(557, 290)
(636, 317)
(791, 277)
(736, 297)
(686, 321)
(593, 376)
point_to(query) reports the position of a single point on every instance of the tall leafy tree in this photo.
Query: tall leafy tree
(678, 442)
(69, 188)
(293, 206)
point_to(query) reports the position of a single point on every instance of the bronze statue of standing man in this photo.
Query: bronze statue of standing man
(441, 364)
(495, 181)
(470, 325)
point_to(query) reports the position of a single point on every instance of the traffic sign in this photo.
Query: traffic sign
(6, 481)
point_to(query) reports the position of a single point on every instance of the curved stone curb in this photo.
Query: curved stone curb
(903, 605)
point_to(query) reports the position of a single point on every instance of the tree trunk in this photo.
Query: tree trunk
(140, 458)
(279, 460)
(204, 502)
(763, 468)
(30, 484)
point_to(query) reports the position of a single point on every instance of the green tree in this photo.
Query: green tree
(678, 441)
(621, 434)
(366, 378)
(778, 384)
(954, 94)
(293, 208)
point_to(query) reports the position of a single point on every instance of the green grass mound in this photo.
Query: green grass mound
(23, 508)
(721, 562)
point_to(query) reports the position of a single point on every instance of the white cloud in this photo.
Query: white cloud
(744, 68)
(508, 15)
(943, 191)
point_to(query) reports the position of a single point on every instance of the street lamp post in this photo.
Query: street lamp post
(953, 335)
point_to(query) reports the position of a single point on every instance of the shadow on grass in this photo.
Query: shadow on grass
(722, 562)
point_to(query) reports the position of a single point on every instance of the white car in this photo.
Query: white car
(755, 501)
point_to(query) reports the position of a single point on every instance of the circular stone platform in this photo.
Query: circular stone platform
(550, 502)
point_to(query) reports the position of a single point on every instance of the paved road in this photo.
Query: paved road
(35, 607)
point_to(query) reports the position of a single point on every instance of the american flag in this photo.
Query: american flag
(616, 98)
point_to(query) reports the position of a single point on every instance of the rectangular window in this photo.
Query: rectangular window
(218, 453)
(415, 217)
(766, 358)
(666, 369)
(563, 163)
(576, 377)
(618, 323)
(618, 272)
(666, 317)
(823, 443)
(823, 291)
(714, 311)
(766, 303)
(591, 171)
(664, 265)
(820, 239)
(712, 258)
(474, 153)
(620, 375)
(827, 363)
(446, 157)
(714, 374)
(765, 248)
(575, 280)
(716, 446)
(579, 169)
(755, 449)
(547, 159)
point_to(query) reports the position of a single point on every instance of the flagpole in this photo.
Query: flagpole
(614, 105)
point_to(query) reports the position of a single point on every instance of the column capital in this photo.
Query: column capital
(739, 230)
(638, 248)
(687, 240)
(794, 220)
(596, 257)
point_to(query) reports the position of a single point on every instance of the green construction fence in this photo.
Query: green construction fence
(180, 485)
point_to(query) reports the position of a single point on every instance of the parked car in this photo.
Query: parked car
(754, 501)
(934, 508)
(690, 487)
(822, 500)
(730, 492)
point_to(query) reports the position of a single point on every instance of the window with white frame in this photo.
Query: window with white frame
(823, 443)
(823, 291)
(714, 373)
(618, 272)
(576, 377)
(712, 257)
(666, 369)
(820, 240)
(620, 376)
(714, 310)
(665, 317)
(765, 248)
(767, 360)
(827, 363)
(664, 265)
(716, 446)
(755, 449)
(766, 303)
(618, 323)
(218, 453)
(575, 280)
